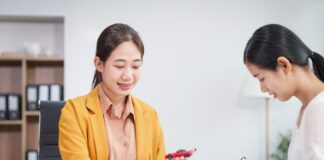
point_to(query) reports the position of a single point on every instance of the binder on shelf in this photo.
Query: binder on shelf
(3, 107)
(31, 154)
(56, 92)
(43, 93)
(32, 93)
(14, 104)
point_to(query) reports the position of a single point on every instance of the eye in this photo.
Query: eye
(136, 67)
(261, 79)
(119, 67)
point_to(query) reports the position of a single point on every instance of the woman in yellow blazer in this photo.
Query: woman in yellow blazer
(88, 130)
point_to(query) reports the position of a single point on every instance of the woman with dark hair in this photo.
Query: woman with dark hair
(286, 67)
(109, 122)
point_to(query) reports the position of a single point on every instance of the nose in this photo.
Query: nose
(127, 74)
(263, 87)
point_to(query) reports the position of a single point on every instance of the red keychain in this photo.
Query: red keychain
(180, 153)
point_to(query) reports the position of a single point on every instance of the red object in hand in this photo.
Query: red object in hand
(180, 153)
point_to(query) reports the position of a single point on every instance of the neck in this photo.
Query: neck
(309, 87)
(115, 99)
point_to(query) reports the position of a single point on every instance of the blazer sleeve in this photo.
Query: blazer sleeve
(72, 141)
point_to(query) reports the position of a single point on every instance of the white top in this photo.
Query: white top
(307, 142)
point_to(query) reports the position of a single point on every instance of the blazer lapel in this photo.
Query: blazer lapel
(141, 130)
(98, 124)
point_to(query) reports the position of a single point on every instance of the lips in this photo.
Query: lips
(124, 86)
(273, 95)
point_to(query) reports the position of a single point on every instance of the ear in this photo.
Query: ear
(284, 64)
(98, 64)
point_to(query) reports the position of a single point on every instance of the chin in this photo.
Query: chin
(124, 93)
(284, 99)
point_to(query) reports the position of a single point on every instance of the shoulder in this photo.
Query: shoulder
(77, 101)
(317, 104)
(80, 102)
(314, 115)
(143, 106)
(314, 122)
(75, 105)
(75, 111)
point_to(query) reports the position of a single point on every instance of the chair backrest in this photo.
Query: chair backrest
(50, 112)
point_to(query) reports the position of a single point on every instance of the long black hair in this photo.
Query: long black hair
(272, 41)
(109, 39)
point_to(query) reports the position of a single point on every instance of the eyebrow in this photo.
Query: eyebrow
(123, 60)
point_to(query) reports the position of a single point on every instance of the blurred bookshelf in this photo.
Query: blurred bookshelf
(18, 70)
(17, 73)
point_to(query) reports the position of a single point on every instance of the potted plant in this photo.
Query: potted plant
(282, 148)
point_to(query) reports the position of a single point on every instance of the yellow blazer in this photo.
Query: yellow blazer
(82, 133)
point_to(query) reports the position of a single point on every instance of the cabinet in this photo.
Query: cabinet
(11, 131)
(18, 136)
(19, 70)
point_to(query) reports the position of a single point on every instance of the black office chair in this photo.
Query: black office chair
(50, 112)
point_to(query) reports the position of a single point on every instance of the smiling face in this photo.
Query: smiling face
(122, 69)
(278, 83)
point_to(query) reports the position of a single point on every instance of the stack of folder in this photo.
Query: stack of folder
(43, 92)
(10, 106)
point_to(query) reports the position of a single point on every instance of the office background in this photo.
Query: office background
(193, 68)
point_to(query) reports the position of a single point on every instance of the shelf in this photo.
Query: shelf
(45, 59)
(11, 141)
(32, 134)
(10, 122)
(10, 58)
(20, 57)
(10, 61)
(32, 19)
(45, 70)
(19, 69)
(12, 81)
(32, 113)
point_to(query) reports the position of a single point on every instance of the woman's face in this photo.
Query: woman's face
(122, 69)
(277, 83)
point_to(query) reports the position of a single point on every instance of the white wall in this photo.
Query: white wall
(193, 71)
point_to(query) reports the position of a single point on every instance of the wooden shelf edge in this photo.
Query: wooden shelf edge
(45, 58)
(32, 113)
(31, 59)
(10, 122)
(8, 58)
